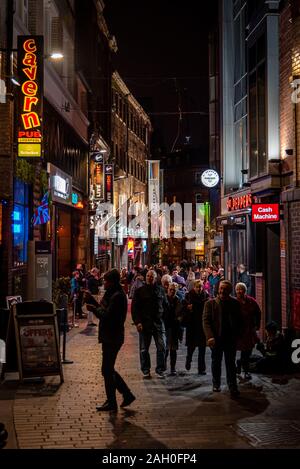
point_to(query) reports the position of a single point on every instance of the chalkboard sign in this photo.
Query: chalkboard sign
(37, 339)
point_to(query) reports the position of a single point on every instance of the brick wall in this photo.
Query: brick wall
(287, 139)
(294, 229)
(260, 298)
(6, 187)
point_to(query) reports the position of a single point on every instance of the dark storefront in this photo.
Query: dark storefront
(257, 246)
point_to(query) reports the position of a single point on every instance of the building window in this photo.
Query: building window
(197, 178)
(20, 222)
(198, 198)
(257, 108)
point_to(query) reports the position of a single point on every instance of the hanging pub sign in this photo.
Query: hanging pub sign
(239, 203)
(108, 183)
(98, 181)
(30, 109)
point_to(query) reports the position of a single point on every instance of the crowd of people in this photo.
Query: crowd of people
(165, 302)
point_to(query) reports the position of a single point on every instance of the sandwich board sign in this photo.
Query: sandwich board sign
(37, 339)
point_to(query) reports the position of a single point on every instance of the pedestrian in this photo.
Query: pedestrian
(214, 282)
(195, 337)
(222, 322)
(76, 297)
(147, 308)
(112, 313)
(172, 319)
(243, 276)
(190, 280)
(166, 281)
(137, 282)
(124, 280)
(251, 316)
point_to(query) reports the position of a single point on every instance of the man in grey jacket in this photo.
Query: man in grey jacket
(222, 321)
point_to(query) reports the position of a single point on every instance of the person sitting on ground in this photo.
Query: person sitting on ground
(274, 358)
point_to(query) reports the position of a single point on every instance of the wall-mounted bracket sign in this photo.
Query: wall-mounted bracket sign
(265, 213)
(210, 178)
(30, 108)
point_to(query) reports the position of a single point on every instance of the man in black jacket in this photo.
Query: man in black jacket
(222, 322)
(112, 315)
(147, 310)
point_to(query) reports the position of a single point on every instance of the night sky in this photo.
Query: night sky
(158, 41)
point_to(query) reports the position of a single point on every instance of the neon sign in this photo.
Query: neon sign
(30, 72)
(239, 203)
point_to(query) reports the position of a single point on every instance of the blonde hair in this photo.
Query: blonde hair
(241, 285)
(198, 282)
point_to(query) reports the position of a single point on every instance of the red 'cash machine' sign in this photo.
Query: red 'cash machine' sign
(265, 212)
(30, 73)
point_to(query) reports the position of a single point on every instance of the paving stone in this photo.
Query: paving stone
(177, 412)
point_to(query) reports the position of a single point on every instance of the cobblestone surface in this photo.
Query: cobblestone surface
(177, 412)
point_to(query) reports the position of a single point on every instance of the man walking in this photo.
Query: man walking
(147, 314)
(112, 315)
(222, 321)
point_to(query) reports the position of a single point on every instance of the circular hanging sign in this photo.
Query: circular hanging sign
(210, 178)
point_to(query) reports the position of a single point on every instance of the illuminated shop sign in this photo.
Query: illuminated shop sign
(98, 181)
(210, 178)
(144, 245)
(130, 246)
(60, 184)
(239, 203)
(30, 74)
(77, 200)
(265, 212)
(108, 183)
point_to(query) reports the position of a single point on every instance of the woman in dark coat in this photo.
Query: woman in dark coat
(172, 320)
(195, 337)
(251, 322)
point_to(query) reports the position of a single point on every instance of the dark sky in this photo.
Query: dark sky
(158, 41)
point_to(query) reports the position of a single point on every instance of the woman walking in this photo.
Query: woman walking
(251, 314)
(195, 337)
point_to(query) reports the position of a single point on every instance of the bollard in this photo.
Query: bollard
(63, 327)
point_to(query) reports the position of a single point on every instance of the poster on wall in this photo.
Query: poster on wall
(30, 108)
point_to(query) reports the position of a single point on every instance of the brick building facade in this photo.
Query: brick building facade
(290, 158)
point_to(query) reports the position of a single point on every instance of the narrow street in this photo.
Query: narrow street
(177, 412)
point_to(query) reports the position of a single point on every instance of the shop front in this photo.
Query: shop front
(251, 230)
(236, 224)
(69, 223)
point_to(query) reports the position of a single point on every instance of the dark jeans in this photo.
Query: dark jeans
(229, 351)
(201, 357)
(112, 379)
(145, 337)
(173, 359)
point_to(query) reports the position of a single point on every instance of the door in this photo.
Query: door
(272, 271)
